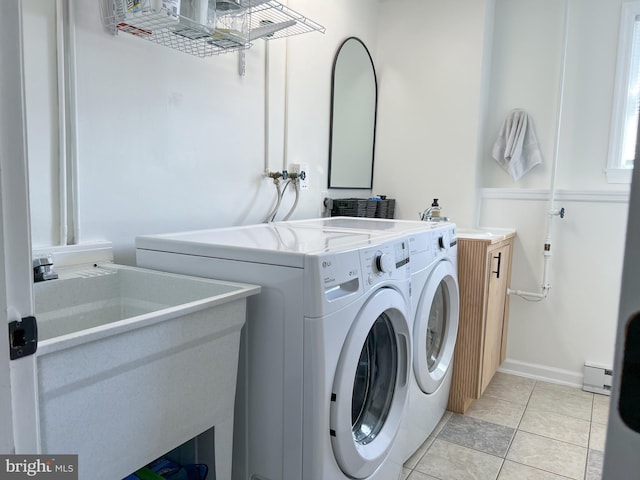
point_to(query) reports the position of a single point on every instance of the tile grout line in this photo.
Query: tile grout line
(543, 470)
(586, 461)
(515, 430)
(567, 393)
(413, 469)
(569, 443)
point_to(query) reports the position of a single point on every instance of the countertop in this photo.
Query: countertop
(492, 235)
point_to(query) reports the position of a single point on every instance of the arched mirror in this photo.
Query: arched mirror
(354, 95)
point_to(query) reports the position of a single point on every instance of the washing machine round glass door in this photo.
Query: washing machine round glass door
(436, 327)
(370, 385)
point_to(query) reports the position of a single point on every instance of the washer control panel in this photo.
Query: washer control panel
(342, 276)
(385, 261)
(444, 240)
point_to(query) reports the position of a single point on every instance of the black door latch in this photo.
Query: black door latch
(23, 337)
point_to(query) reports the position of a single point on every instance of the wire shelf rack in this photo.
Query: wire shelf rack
(283, 21)
(173, 31)
(235, 27)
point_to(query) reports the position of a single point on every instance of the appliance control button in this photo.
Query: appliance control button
(384, 263)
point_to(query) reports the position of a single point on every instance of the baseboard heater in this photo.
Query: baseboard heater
(597, 379)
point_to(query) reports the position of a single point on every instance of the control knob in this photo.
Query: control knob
(383, 263)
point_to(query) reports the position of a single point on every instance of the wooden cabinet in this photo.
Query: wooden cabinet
(484, 274)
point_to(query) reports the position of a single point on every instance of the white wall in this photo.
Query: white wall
(552, 339)
(526, 73)
(431, 61)
(576, 323)
(168, 141)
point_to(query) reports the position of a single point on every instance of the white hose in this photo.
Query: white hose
(273, 217)
(295, 202)
(274, 210)
(281, 193)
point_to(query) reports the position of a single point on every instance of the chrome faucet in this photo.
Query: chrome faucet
(432, 214)
(43, 269)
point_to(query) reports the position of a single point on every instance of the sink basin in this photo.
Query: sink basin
(130, 364)
(89, 302)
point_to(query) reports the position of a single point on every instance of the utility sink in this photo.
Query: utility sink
(93, 301)
(130, 364)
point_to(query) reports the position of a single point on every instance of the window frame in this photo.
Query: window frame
(616, 171)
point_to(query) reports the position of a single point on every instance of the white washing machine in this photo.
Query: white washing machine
(434, 312)
(325, 361)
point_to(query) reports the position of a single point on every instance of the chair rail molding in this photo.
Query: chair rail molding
(540, 195)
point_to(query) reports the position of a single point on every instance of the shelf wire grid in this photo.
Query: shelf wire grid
(179, 33)
(183, 34)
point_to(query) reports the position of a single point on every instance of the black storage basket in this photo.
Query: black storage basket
(353, 207)
(363, 207)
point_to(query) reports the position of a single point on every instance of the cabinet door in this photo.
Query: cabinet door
(498, 271)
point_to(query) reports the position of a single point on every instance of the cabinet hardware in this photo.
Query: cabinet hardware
(497, 271)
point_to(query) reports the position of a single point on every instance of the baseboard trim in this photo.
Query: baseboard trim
(542, 372)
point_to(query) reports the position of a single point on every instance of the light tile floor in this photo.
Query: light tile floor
(521, 429)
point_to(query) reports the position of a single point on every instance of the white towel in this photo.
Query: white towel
(516, 148)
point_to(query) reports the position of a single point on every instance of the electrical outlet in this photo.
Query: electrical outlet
(299, 168)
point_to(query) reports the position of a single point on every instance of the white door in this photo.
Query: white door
(622, 451)
(371, 384)
(436, 327)
(15, 242)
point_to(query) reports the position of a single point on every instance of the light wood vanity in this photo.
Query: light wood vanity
(484, 274)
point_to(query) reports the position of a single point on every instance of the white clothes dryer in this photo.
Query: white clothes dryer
(434, 313)
(435, 308)
(325, 362)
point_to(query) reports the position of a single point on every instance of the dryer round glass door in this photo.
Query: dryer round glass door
(370, 385)
(436, 327)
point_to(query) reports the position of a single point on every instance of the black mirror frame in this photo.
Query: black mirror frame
(375, 114)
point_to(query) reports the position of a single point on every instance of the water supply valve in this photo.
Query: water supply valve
(284, 175)
(299, 171)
